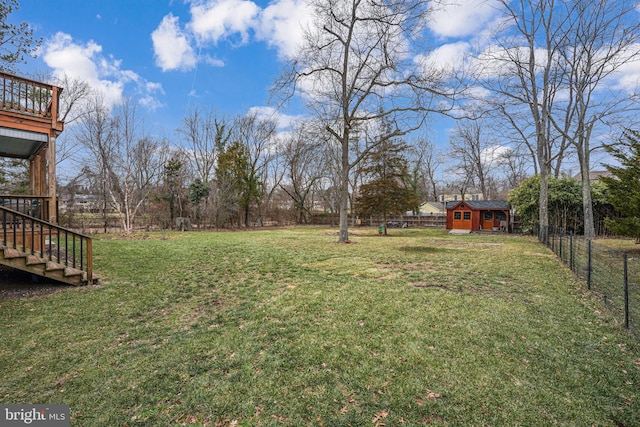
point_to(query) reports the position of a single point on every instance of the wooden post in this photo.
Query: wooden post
(89, 262)
(51, 175)
(625, 266)
(589, 265)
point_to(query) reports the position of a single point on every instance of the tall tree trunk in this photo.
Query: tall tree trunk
(587, 202)
(543, 214)
(545, 166)
(344, 189)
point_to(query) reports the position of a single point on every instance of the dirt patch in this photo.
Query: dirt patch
(17, 284)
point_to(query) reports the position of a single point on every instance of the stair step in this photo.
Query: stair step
(13, 253)
(71, 272)
(35, 260)
(52, 266)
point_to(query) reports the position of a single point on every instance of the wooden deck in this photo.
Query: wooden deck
(30, 240)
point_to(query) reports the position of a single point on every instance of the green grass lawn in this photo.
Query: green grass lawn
(287, 327)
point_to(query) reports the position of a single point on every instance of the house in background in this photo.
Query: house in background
(593, 175)
(432, 209)
(476, 215)
(455, 195)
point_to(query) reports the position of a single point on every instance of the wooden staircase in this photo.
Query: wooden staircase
(38, 247)
(29, 239)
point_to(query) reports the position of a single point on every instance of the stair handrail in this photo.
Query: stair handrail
(14, 226)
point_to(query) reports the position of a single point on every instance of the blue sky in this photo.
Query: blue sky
(172, 55)
(115, 39)
(223, 54)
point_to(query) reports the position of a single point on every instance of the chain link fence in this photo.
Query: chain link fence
(612, 275)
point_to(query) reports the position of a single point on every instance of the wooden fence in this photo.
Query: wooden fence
(413, 221)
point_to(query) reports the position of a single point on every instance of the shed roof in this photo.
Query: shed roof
(481, 204)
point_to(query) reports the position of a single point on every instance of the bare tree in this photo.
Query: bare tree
(203, 132)
(129, 163)
(552, 71)
(428, 162)
(73, 106)
(95, 133)
(74, 103)
(522, 72)
(513, 166)
(603, 37)
(303, 158)
(355, 67)
(460, 178)
(475, 153)
(174, 178)
(258, 137)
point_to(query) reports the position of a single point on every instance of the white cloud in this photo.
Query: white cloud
(281, 25)
(446, 58)
(627, 76)
(220, 19)
(269, 113)
(214, 62)
(462, 18)
(103, 73)
(494, 154)
(171, 46)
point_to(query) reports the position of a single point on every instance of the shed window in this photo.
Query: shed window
(467, 215)
(488, 216)
(456, 215)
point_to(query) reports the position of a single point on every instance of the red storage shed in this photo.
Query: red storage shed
(478, 215)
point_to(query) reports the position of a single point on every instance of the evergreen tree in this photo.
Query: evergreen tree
(198, 191)
(14, 176)
(16, 41)
(388, 189)
(624, 186)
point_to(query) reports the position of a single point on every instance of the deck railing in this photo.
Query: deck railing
(27, 96)
(36, 206)
(45, 240)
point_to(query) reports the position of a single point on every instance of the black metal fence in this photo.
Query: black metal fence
(612, 275)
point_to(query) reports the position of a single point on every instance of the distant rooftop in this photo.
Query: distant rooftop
(594, 175)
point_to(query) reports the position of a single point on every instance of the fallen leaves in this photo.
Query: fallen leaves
(379, 417)
(429, 395)
(350, 402)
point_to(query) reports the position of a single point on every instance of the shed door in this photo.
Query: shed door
(487, 220)
(462, 220)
